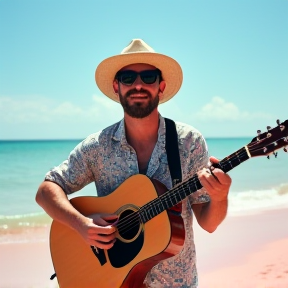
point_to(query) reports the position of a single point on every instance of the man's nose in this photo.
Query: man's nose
(138, 83)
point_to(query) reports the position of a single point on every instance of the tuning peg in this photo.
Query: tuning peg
(265, 150)
(282, 127)
(285, 149)
(275, 154)
(258, 133)
(268, 134)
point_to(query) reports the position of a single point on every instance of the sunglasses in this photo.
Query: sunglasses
(128, 77)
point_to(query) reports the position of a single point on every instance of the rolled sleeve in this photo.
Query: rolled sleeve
(74, 173)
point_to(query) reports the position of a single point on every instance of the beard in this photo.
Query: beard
(138, 109)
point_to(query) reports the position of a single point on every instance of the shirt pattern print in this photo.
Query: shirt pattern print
(107, 159)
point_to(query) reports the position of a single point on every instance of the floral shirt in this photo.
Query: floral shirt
(107, 159)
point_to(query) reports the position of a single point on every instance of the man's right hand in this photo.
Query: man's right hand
(96, 229)
(99, 230)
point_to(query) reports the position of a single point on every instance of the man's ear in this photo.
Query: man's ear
(162, 86)
(115, 86)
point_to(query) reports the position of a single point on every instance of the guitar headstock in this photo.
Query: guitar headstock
(268, 142)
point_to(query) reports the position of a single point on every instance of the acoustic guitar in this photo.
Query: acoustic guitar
(149, 229)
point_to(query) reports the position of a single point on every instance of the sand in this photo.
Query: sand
(26, 265)
(245, 251)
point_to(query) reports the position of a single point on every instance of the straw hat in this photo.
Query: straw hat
(139, 52)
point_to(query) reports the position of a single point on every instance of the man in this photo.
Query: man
(139, 79)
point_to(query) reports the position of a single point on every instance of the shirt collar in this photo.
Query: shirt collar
(120, 135)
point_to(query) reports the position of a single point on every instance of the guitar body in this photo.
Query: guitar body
(134, 253)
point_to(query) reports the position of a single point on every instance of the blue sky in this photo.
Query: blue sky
(234, 56)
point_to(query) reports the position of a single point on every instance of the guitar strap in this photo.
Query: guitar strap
(172, 151)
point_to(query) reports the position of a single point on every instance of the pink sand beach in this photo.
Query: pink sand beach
(249, 251)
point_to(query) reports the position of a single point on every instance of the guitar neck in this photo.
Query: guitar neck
(189, 186)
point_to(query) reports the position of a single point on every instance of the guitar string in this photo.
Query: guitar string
(167, 196)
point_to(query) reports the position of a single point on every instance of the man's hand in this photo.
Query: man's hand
(210, 214)
(99, 230)
(216, 182)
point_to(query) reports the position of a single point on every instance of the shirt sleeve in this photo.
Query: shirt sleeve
(196, 159)
(74, 173)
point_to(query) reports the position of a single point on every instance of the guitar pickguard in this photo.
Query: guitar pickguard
(123, 253)
(99, 253)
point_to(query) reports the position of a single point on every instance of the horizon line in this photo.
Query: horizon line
(81, 139)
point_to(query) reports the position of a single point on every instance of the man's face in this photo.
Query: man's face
(139, 99)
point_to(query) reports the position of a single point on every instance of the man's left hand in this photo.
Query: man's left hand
(215, 181)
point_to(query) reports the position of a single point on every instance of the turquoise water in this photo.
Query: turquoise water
(257, 183)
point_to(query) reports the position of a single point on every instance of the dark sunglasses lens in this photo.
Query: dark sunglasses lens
(149, 77)
(128, 77)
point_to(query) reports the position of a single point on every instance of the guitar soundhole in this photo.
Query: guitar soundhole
(128, 225)
(130, 237)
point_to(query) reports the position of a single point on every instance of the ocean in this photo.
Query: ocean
(257, 184)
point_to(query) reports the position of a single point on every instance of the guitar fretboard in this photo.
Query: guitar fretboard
(187, 187)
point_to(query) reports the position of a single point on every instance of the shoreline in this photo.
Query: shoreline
(247, 251)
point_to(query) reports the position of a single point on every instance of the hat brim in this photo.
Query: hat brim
(171, 72)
